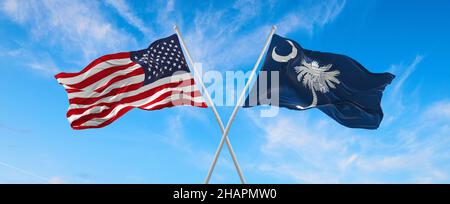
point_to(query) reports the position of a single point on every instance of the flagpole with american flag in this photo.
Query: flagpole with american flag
(211, 104)
(149, 79)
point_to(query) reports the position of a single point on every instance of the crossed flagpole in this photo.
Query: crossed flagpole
(236, 108)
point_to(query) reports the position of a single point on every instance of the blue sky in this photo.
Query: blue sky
(42, 38)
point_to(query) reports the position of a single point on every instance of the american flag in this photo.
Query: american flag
(149, 79)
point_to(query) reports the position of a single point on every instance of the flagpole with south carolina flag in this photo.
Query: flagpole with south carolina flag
(198, 76)
(337, 85)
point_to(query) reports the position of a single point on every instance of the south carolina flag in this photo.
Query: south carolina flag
(336, 84)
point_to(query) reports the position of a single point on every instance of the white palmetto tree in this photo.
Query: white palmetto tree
(316, 78)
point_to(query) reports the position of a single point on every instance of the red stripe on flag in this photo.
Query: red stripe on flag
(178, 101)
(105, 112)
(97, 61)
(129, 99)
(125, 110)
(128, 88)
(73, 90)
(100, 75)
(135, 72)
(120, 113)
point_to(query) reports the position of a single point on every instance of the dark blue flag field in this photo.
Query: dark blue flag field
(336, 84)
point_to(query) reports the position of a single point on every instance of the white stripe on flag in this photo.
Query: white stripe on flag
(118, 97)
(98, 109)
(99, 121)
(99, 67)
(93, 94)
(104, 80)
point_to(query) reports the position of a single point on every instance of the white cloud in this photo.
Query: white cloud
(223, 38)
(217, 44)
(39, 178)
(40, 62)
(44, 67)
(312, 18)
(80, 25)
(344, 164)
(176, 138)
(166, 16)
(247, 10)
(126, 12)
(75, 25)
(305, 149)
(12, 9)
(12, 53)
(170, 5)
(439, 110)
(394, 100)
(406, 72)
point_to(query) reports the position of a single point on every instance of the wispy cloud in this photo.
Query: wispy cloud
(224, 38)
(13, 9)
(394, 99)
(297, 148)
(170, 5)
(40, 62)
(126, 12)
(175, 136)
(346, 163)
(40, 178)
(76, 25)
(80, 25)
(405, 72)
(310, 150)
(319, 15)
(47, 67)
(438, 110)
(166, 15)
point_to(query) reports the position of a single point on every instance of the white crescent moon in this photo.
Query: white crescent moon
(286, 58)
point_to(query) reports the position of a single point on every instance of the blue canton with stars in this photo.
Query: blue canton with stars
(161, 59)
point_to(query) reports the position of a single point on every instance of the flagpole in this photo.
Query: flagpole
(216, 114)
(236, 108)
